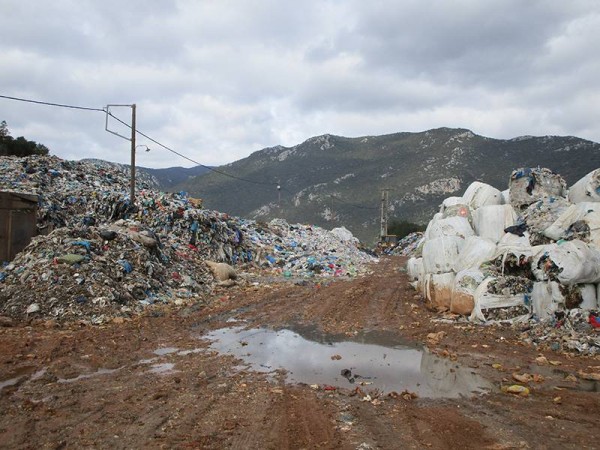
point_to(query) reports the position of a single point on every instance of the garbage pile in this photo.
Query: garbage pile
(526, 255)
(409, 245)
(100, 256)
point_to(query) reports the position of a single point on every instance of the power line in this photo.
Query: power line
(60, 105)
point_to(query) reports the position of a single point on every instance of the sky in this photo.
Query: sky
(216, 80)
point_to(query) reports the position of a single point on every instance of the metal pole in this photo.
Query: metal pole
(384, 212)
(132, 187)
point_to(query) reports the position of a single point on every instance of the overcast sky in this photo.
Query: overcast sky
(217, 80)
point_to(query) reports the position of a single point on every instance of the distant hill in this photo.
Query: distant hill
(332, 180)
(173, 176)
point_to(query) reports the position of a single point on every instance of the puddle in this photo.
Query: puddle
(165, 351)
(371, 365)
(162, 368)
(10, 382)
(89, 375)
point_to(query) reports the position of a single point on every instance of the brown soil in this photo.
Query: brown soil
(210, 401)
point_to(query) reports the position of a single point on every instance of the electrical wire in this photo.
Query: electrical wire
(60, 105)
(212, 169)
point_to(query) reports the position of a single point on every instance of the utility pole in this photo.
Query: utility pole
(130, 139)
(384, 213)
(132, 186)
(278, 195)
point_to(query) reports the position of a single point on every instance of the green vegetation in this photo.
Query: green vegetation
(403, 228)
(20, 146)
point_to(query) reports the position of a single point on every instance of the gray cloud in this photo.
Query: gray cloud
(217, 80)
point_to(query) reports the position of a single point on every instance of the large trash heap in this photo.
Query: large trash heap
(101, 257)
(527, 255)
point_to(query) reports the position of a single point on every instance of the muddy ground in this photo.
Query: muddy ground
(154, 382)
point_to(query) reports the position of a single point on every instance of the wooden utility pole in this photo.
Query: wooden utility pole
(384, 213)
(132, 186)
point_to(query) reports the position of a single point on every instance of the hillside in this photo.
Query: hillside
(332, 181)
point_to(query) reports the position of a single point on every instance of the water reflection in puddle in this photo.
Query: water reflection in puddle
(162, 368)
(89, 375)
(388, 369)
(165, 351)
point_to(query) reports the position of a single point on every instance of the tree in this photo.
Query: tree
(403, 228)
(19, 146)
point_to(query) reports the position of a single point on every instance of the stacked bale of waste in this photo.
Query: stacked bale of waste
(523, 253)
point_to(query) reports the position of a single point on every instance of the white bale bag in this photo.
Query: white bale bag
(440, 254)
(451, 201)
(414, 268)
(486, 300)
(587, 189)
(480, 194)
(537, 251)
(438, 291)
(491, 221)
(541, 214)
(475, 251)
(589, 297)
(505, 197)
(587, 212)
(452, 226)
(463, 293)
(572, 262)
(546, 298)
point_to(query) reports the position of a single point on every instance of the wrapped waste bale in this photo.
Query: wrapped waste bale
(451, 201)
(548, 297)
(491, 221)
(542, 214)
(451, 226)
(459, 210)
(502, 298)
(480, 194)
(440, 254)
(527, 186)
(463, 293)
(506, 197)
(571, 262)
(438, 290)
(513, 255)
(414, 268)
(587, 189)
(580, 221)
(475, 251)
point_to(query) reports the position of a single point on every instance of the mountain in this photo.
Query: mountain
(172, 176)
(332, 181)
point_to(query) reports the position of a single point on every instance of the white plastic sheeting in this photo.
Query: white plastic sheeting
(414, 267)
(451, 201)
(587, 212)
(485, 300)
(546, 298)
(490, 221)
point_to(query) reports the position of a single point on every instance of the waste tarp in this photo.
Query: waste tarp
(587, 189)
(528, 185)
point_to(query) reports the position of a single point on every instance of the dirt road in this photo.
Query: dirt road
(159, 382)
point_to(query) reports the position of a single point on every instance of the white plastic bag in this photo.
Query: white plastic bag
(586, 189)
(546, 298)
(480, 194)
(440, 254)
(490, 221)
(475, 251)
